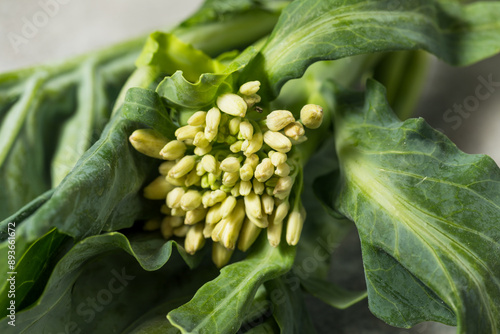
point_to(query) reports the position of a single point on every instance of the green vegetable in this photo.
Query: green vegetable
(96, 221)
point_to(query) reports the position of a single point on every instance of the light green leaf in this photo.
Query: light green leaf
(314, 30)
(220, 305)
(427, 215)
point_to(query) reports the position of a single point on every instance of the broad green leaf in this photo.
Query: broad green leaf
(289, 309)
(268, 327)
(313, 30)
(91, 284)
(100, 193)
(146, 107)
(51, 115)
(220, 305)
(331, 293)
(427, 215)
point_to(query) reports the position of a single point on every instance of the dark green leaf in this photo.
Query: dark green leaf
(146, 107)
(289, 309)
(331, 293)
(314, 30)
(31, 270)
(91, 284)
(220, 305)
(427, 215)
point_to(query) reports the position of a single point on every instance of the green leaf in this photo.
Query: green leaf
(146, 107)
(331, 293)
(314, 30)
(169, 54)
(289, 308)
(183, 94)
(220, 305)
(64, 106)
(32, 271)
(97, 276)
(427, 215)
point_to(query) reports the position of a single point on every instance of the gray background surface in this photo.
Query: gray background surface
(79, 26)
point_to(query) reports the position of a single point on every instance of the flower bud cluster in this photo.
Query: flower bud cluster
(228, 175)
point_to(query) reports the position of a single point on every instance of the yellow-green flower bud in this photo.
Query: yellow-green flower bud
(194, 239)
(174, 197)
(165, 167)
(200, 140)
(212, 123)
(214, 197)
(214, 214)
(246, 172)
(277, 158)
(246, 130)
(152, 225)
(282, 170)
(177, 212)
(184, 166)
(207, 230)
(277, 141)
(267, 204)
(228, 205)
(191, 200)
(294, 227)
(199, 169)
(167, 231)
(253, 160)
(311, 116)
(254, 144)
(250, 88)
(232, 104)
(173, 221)
(173, 150)
(274, 232)
(251, 100)
(209, 163)
(230, 179)
(230, 165)
(187, 132)
(264, 170)
(279, 119)
(220, 255)
(198, 118)
(234, 125)
(231, 231)
(245, 188)
(236, 147)
(180, 182)
(282, 208)
(258, 187)
(283, 187)
(253, 205)
(294, 130)
(195, 216)
(148, 142)
(261, 222)
(158, 189)
(248, 234)
(235, 191)
(192, 178)
(201, 151)
(181, 231)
